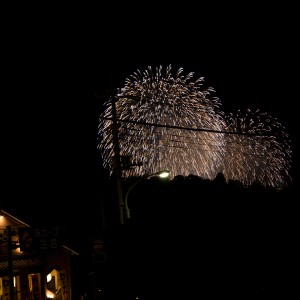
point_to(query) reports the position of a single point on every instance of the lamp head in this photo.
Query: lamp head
(164, 174)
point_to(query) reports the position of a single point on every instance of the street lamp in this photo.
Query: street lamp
(161, 174)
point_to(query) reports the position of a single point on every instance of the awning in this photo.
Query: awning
(21, 263)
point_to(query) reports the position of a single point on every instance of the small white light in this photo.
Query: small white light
(164, 174)
(49, 277)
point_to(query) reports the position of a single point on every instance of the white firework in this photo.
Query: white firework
(168, 121)
(158, 111)
(259, 152)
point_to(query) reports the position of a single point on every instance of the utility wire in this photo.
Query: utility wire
(184, 128)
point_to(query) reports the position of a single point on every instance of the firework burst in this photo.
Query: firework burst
(154, 107)
(259, 152)
(169, 121)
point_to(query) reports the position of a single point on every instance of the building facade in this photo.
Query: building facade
(34, 263)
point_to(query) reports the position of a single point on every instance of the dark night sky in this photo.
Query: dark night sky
(54, 59)
(55, 62)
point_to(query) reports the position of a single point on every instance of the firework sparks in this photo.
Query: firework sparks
(260, 153)
(168, 121)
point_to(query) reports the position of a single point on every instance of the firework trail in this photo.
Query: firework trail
(260, 152)
(157, 97)
(171, 122)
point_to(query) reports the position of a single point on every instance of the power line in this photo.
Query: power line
(184, 128)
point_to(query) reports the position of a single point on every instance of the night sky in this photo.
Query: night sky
(55, 62)
(55, 59)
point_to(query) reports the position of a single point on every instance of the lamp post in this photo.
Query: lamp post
(117, 168)
(161, 174)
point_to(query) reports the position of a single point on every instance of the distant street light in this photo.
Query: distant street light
(123, 205)
(161, 174)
